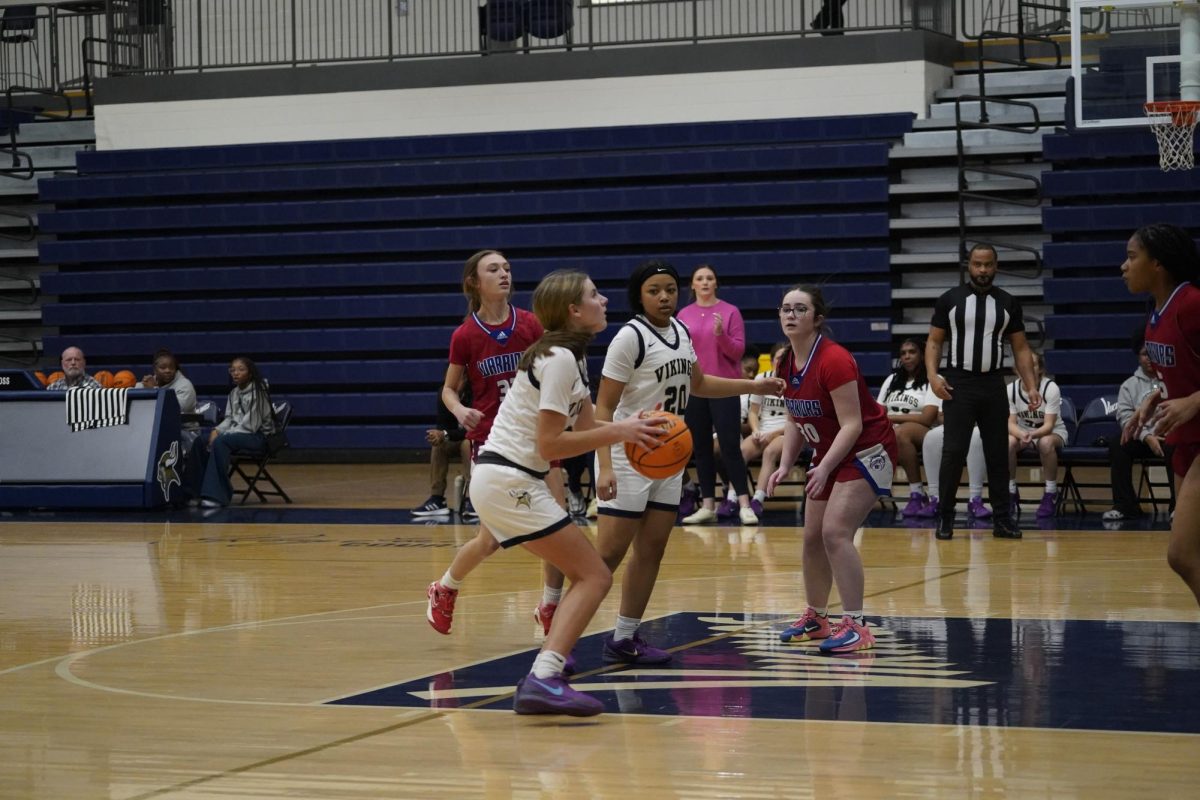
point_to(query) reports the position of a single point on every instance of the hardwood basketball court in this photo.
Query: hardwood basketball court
(283, 652)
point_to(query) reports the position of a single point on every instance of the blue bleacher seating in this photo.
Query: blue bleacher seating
(337, 265)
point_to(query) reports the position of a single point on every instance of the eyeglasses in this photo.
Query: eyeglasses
(793, 311)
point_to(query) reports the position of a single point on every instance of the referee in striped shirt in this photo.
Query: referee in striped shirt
(975, 318)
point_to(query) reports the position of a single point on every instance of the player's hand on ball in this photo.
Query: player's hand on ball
(642, 430)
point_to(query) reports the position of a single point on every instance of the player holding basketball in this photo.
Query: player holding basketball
(650, 364)
(1162, 260)
(549, 395)
(855, 456)
(487, 347)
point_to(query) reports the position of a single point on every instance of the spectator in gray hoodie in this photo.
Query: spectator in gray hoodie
(1146, 445)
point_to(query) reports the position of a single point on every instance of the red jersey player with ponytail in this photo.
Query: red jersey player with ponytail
(487, 347)
(832, 410)
(1162, 260)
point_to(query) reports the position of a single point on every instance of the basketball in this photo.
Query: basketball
(124, 380)
(668, 459)
(104, 378)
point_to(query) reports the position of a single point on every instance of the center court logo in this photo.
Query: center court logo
(977, 672)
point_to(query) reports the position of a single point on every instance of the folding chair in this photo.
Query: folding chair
(19, 26)
(259, 461)
(1088, 446)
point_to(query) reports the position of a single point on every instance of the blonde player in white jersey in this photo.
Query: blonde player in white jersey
(649, 364)
(549, 395)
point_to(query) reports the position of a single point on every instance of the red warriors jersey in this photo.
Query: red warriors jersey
(811, 407)
(1173, 344)
(489, 354)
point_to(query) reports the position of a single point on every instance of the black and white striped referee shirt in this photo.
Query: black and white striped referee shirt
(976, 325)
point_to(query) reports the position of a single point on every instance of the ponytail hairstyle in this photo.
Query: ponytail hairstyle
(1172, 247)
(470, 282)
(552, 301)
(779, 351)
(920, 376)
(262, 392)
(819, 306)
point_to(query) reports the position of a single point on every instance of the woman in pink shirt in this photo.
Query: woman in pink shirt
(719, 338)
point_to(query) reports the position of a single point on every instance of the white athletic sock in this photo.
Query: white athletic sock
(626, 628)
(551, 596)
(730, 494)
(857, 616)
(448, 581)
(1051, 487)
(1012, 487)
(548, 664)
(916, 487)
(760, 495)
(977, 489)
(822, 612)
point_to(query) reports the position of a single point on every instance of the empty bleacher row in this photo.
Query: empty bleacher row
(1105, 183)
(336, 265)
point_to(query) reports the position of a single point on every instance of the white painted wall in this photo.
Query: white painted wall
(698, 97)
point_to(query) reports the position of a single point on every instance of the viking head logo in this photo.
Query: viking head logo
(167, 472)
(521, 498)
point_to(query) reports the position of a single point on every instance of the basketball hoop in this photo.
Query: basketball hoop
(1174, 123)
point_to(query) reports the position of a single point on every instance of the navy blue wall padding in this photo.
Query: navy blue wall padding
(337, 265)
(627, 233)
(621, 138)
(1080, 291)
(775, 266)
(289, 180)
(1086, 328)
(1104, 184)
(1100, 143)
(546, 204)
(1124, 218)
(1118, 183)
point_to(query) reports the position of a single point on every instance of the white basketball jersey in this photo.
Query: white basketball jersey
(655, 364)
(1018, 405)
(558, 383)
(772, 412)
(906, 399)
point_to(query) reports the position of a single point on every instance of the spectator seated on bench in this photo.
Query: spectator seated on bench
(767, 419)
(1146, 446)
(912, 409)
(1041, 430)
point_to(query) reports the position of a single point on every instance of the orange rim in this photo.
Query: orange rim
(1183, 112)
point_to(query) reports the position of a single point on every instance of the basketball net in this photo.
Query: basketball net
(1174, 125)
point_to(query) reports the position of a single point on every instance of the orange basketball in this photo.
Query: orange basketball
(124, 380)
(104, 378)
(668, 459)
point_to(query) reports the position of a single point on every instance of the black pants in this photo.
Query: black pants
(575, 467)
(976, 400)
(1122, 456)
(725, 416)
